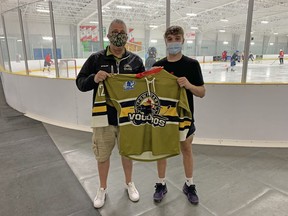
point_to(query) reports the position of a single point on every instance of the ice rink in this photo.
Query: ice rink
(258, 72)
(265, 71)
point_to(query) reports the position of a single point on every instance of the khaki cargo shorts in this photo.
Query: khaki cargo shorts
(103, 141)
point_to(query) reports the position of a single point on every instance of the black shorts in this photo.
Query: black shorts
(47, 64)
(191, 131)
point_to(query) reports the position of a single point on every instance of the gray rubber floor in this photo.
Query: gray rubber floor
(231, 181)
(35, 180)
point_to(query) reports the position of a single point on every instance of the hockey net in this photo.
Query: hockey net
(68, 68)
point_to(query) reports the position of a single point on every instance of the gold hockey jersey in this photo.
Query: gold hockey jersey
(153, 113)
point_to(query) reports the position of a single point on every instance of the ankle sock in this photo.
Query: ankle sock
(162, 181)
(189, 181)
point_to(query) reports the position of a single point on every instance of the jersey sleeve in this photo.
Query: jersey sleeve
(185, 115)
(99, 110)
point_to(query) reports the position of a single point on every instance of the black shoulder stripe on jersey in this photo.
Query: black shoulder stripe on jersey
(99, 113)
(123, 120)
(168, 103)
(184, 128)
(96, 104)
(127, 103)
(184, 119)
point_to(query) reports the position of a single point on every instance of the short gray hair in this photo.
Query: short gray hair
(118, 21)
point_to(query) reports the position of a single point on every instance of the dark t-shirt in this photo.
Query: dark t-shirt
(185, 67)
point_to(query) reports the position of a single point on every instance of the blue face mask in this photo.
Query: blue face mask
(174, 47)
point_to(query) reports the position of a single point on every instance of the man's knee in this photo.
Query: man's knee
(103, 142)
(102, 158)
(186, 146)
(101, 154)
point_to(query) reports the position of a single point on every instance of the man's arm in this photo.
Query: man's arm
(197, 88)
(85, 78)
(198, 91)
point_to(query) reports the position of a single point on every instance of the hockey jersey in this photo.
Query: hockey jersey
(153, 113)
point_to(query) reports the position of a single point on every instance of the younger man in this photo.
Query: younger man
(190, 77)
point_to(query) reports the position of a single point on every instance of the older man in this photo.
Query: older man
(115, 59)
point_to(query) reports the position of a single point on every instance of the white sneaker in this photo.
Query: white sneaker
(132, 192)
(100, 198)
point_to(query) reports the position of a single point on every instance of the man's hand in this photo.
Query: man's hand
(101, 76)
(183, 82)
(198, 91)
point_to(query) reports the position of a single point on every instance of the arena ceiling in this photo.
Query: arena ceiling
(206, 15)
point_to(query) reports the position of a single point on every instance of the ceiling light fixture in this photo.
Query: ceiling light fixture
(222, 30)
(264, 22)
(124, 7)
(193, 27)
(43, 10)
(153, 26)
(225, 42)
(47, 38)
(153, 41)
(191, 14)
(271, 44)
(189, 41)
(224, 20)
(93, 22)
(275, 33)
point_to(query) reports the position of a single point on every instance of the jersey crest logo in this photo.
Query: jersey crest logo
(129, 85)
(127, 67)
(147, 108)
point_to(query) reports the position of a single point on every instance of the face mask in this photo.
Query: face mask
(174, 47)
(118, 39)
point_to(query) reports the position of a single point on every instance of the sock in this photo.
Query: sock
(162, 181)
(189, 181)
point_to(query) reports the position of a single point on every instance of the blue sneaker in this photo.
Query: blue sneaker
(191, 193)
(160, 191)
